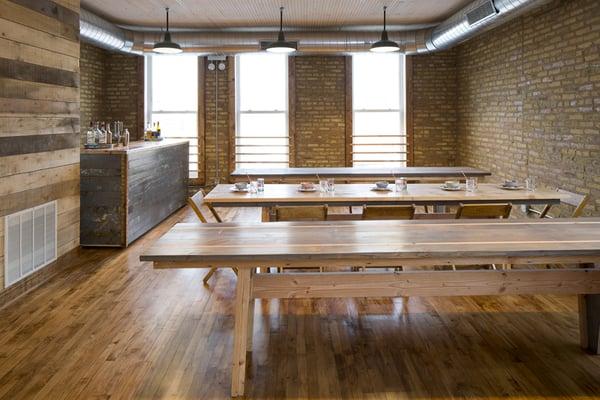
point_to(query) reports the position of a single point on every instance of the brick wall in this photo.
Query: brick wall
(216, 91)
(320, 111)
(529, 98)
(92, 84)
(112, 88)
(433, 106)
(124, 92)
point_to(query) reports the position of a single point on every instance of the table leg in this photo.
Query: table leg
(240, 331)
(266, 214)
(250, 326)
(589, 322)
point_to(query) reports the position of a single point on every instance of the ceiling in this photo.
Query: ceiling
(308, 14)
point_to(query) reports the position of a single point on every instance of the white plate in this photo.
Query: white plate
(378, 189)
(450, 189)
(236, 190)
(512, 187)
(307, 190)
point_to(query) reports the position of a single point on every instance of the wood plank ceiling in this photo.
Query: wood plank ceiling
(309, 14)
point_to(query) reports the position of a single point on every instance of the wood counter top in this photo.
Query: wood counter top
(135, 147)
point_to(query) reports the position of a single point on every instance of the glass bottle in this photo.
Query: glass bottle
(90, 136)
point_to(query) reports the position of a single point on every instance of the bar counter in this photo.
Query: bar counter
(126, 191)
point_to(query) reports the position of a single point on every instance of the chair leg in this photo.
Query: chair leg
(210, 273)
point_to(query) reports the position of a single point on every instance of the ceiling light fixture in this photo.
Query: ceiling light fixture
(385, 45)
(280, 45)
(167, 46)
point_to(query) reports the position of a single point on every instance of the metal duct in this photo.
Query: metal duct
(452, 31)
(102, 33)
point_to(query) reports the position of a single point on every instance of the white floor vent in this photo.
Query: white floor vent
(29, 241)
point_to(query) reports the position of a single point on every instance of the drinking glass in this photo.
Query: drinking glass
(323, 186)
(401, 185)
(253, 187)
(260, 184)
(471, 184)
(530, 184)
(331, 185)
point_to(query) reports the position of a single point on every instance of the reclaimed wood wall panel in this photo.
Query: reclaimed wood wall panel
(30, 54)
(39, 113)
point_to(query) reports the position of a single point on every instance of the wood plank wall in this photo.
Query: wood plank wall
(39, 112)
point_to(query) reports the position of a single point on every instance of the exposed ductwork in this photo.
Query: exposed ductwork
(464, 24)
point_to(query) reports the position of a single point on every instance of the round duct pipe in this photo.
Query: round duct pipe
(455, 29)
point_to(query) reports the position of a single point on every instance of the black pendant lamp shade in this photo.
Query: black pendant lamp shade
(167, 46)
(385, 45)
(281, 45)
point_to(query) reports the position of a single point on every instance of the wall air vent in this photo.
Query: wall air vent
(481, 13)
(29, 241)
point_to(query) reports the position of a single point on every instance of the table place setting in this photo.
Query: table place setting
(513, 184)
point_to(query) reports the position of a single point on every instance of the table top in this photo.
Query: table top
(135, 147)
(340, 240)
(349, 172)
(358, 194)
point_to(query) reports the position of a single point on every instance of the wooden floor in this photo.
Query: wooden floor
(112, 328)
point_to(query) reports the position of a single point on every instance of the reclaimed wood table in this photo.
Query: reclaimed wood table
(357, 194)
(391, 243)
(364, 174)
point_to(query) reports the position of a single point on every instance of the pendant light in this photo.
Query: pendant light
(384, 45)
(281, 46)
(167, 46)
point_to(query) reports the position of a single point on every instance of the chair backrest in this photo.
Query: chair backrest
(501, 210)
(301, 213)
(196, 202)
(579, 201)
(388, 212)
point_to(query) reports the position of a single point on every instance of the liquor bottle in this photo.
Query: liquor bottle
(109, 135)
(97, 132)
(102, 134)
(158, 129)
(126, 137)
(90, 136)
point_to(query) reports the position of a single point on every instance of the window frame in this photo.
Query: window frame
(149, 112)
(239, 112)
(403, 134)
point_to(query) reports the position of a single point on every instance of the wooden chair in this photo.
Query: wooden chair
(388, 212)
(490, 211)
(196, 203)
(501, 210)
(579, 201)
(301, 213)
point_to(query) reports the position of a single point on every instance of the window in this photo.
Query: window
(172, 99)
(261, 139)
(379, 135)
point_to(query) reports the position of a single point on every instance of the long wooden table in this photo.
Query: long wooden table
(391, 243)
(358, 194)
(356, 173)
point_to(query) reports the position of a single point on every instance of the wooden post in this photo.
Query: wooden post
(240, 331)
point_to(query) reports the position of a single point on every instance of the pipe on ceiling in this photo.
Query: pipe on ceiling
(449, 33)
